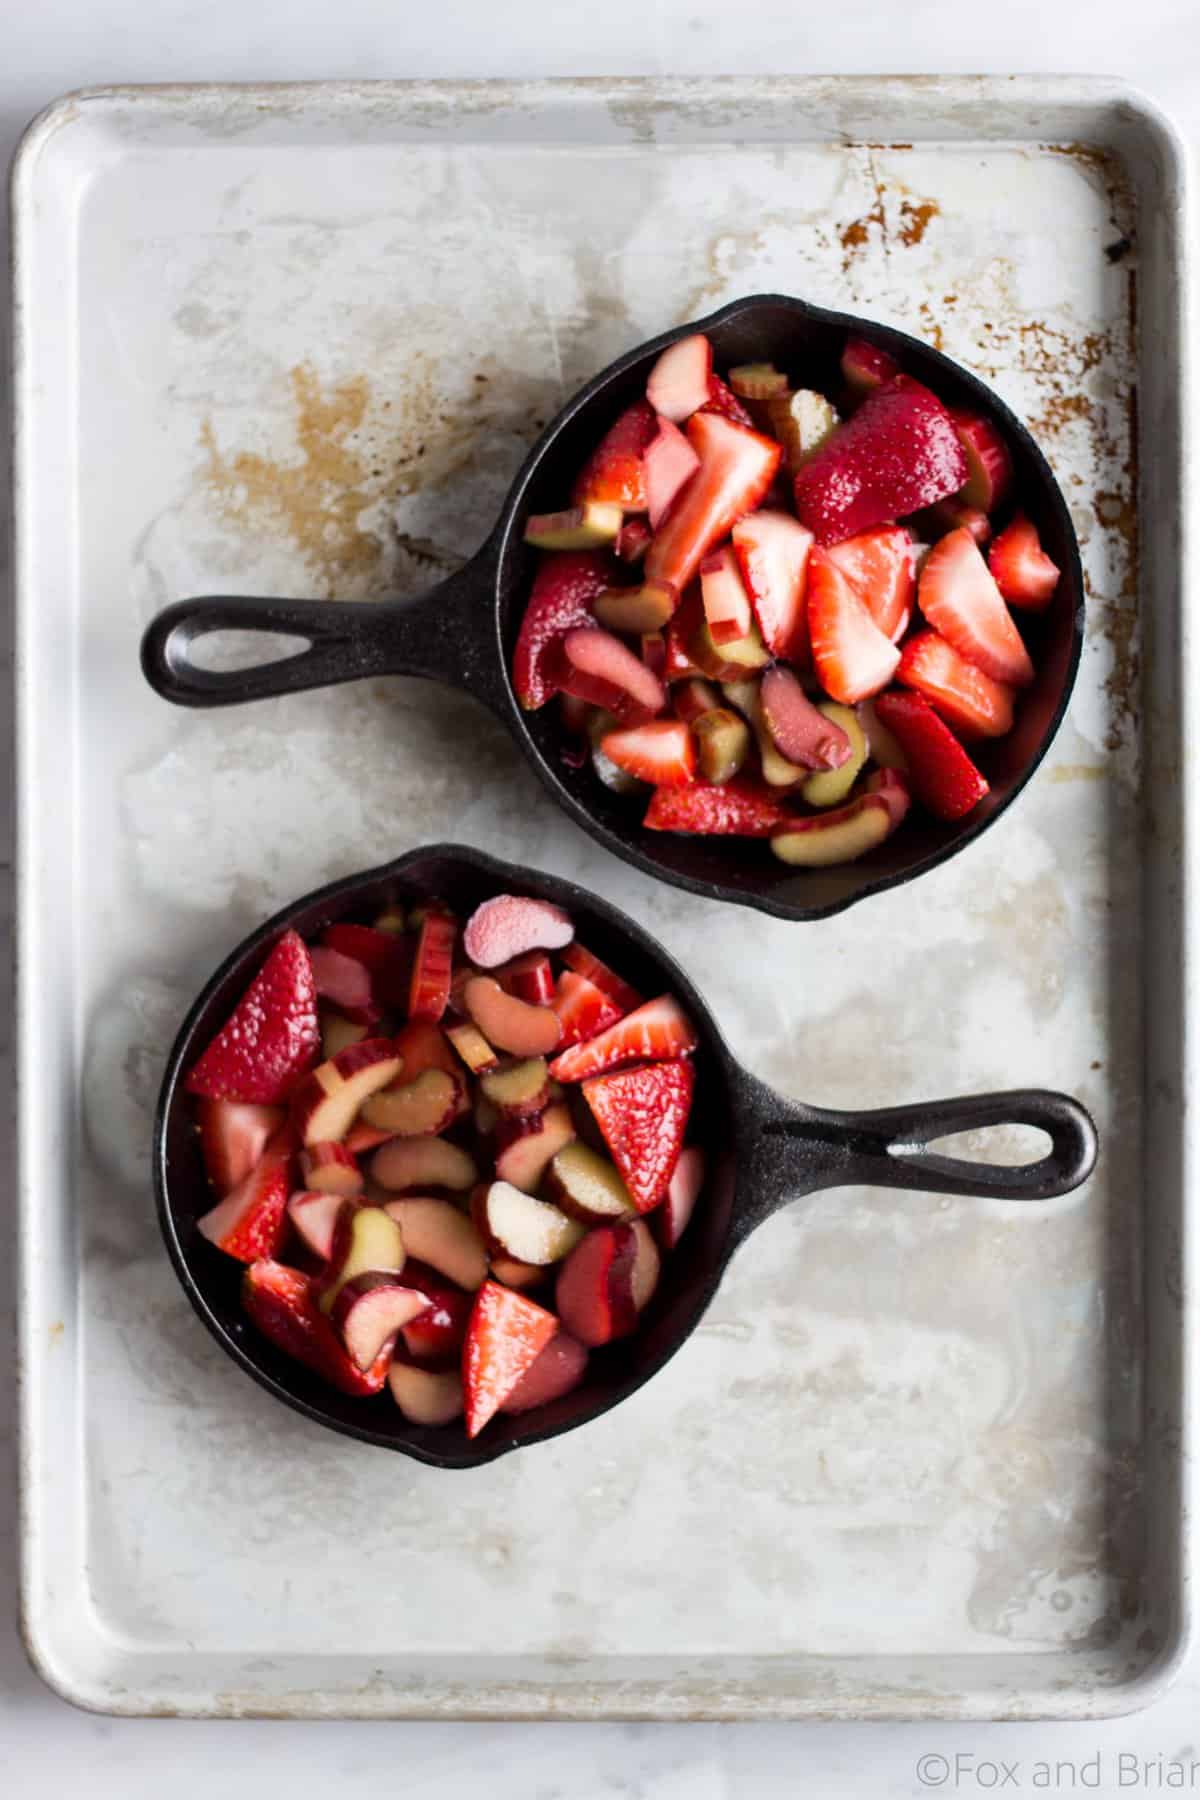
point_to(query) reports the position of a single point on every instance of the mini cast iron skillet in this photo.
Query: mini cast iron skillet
(464, 631)
(763, 1153)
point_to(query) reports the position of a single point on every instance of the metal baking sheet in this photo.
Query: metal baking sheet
(925, 1457)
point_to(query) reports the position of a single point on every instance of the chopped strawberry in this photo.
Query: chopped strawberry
(679, 380)
(879, 566)
(662, 752)
(852, 657)
(866, 367)
(898, 453)
(429, 991)
(659, 1031)
(726, 602)
(564, 587)
(273, 1036)
(233, 1136)
(584, 963)
(388, 956)
(252, 1220)
(736, 468)
(670, 463)
(643, 1114)
(434, 1338)
(614, 472)
(970, 701)
(505, 1336)
(737, 808)
(281, 1303)
(598, 667)
(583, 1009)
(724, 401)
(772, 549)
(346, 983)
(679, 633)
(988, 462)
(1020, 567)
(943, 777)
(960, 599)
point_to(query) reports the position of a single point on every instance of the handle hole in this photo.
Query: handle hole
(229, 652)
(1009, 1146)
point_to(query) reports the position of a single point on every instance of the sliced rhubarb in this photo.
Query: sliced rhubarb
(314, 1218)
(525, 1146)
(599, 667)
(639, 610)
(421, 1163)
(426, 1396)
(585, 527)
(509, 1023)
(512, 925)
(806, 736)
(429, 989)
(325, 1106)
(866, 367)
(331, 1169)
(345, 983)
(440, 1234)
(726, 601)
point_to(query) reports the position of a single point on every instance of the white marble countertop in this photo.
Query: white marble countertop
(46, 1747)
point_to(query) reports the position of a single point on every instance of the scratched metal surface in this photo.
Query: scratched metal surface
(924, 1456)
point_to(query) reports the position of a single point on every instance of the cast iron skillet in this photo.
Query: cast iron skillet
(464, 630)
(764, 1152)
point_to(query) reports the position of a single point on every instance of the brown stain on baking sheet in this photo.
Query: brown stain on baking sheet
(318, 497)
(916, 217)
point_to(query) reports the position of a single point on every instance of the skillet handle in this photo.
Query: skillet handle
(447, 634)
(799, 1149)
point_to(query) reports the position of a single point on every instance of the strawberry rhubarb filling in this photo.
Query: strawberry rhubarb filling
(748, 566)
(451, 1154)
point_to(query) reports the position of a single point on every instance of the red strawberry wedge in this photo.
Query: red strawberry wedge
(736, 469)
(429, 990)
(613, 472)
(899, 452)
(988, 461)
(273, 1036)
(772, 549)
(970, 701)
(1020, 567)
(506, 1335)
(564, 587)
(251, 1221)
(852, 657)
(879, 566)
(233, 1136)
(662, 752)
(737, 808)
(960, 599)
(723, 400)
(643, 1114)
(658, 1031)
(584, 962)
(583, 1009)
(280, 1302)
(942, 775)
(865, 367)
